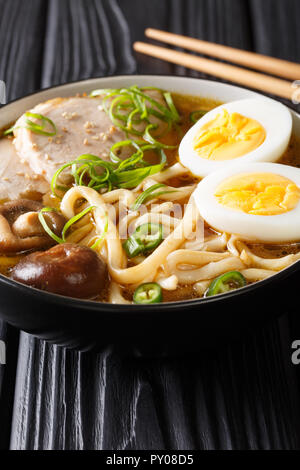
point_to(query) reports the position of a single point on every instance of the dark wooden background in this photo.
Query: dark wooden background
(244, 396)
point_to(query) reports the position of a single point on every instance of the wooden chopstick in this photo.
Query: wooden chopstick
(271, 65)
(248, 78)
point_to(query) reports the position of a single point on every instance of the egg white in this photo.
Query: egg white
(273, 116)
(262, 228)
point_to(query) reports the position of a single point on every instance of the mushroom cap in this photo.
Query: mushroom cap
(21, 230)
(65, 269)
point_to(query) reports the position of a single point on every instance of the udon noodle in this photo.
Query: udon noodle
(183, 258)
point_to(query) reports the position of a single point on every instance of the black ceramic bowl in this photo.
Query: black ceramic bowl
(158, 329)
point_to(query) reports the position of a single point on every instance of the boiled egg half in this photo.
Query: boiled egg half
(249, 130)
(257, 201)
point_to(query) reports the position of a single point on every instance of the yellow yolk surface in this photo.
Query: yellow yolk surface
(228, 136)
(258, 193)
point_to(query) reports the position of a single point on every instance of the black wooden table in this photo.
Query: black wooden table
(244, 396)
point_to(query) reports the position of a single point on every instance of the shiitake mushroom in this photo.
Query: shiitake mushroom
(21, 230)
(65, 269)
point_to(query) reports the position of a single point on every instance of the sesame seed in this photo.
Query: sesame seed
(85, 142)
(69, 115)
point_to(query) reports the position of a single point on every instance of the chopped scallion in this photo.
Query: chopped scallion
(149, 193)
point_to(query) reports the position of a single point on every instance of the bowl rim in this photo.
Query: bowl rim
(93, 305)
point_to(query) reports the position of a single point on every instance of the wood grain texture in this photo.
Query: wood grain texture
(244, 396)
(275, 28)
(21, 39)
(239, 397)
(92, 41)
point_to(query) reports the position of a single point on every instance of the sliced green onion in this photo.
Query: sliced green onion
(132, 178)
(101, 238)
(148, 194)
(226, 282)
(149, 138)
(129, 106)
(66, 227)
(10, 130)
(148, 293)
(45, 225)
(170, 103)
(127, 173)
(124, 143)
(196, 115)
(39, 128)
(73, 220)
(35, 127)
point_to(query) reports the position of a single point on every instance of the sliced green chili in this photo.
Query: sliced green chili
(146, 238)
(148, 293)
(226, 282)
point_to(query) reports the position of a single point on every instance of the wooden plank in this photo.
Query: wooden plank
(21, 39)
(91, 41)
(275, 29)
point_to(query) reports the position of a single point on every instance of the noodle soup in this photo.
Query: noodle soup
(99, 205)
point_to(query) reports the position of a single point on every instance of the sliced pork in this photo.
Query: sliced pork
(82, 127)
(16, 177)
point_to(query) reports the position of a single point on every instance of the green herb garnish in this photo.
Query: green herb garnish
(100, 239)
(45, 225)
(148, 194)
(196, 115)
(145, 239)
(129, 107)
(92, 171)
(68, 224)
(35, 127)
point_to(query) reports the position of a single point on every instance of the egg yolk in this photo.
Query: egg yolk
(228, 136)
(258, 193)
